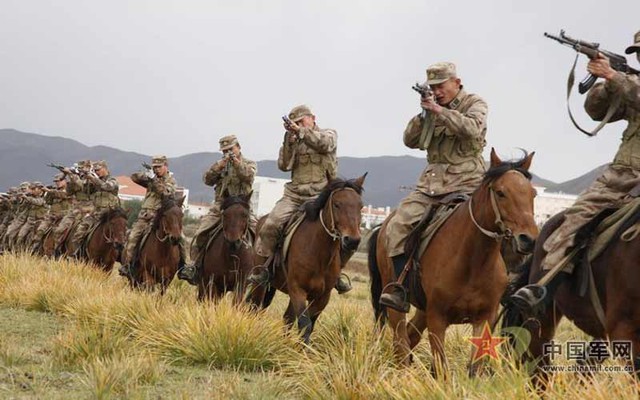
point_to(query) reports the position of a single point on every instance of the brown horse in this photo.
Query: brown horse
(229, 258)
(330, 230)
(616, 273)
(461, 273)
(157, 260)
(106, 241)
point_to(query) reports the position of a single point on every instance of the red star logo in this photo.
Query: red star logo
(486, 344)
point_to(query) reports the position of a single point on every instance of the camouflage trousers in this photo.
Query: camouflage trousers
(275, 222)
(211, 219)
(611, 189)
(13, 229)
(65, 224)
(87, 223)
(407, 215)
(26, 232)
(48, 223)
(142, 224)
(4, 224)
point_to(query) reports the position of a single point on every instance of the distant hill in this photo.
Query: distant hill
(23, 157)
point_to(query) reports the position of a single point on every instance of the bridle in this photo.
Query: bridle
(245, 234)
(504, 231)
(333, 233)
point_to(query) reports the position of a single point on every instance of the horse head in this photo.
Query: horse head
(511, 197)
(339, 208)
(235, 218)
(115, 227)
(169, 219)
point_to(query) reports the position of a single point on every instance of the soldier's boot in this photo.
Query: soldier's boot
(260, 274)
(344, 284)
(395, 295)
(533, 299)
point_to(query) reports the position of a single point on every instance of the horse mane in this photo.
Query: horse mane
(497, 171)
(312, 208)
(113, 213)
(167, 203)
(231, 200)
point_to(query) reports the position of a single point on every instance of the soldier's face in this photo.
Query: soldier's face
(446, 91)
(102, 172)
(160, 170)
(308, 121)
(61, 184)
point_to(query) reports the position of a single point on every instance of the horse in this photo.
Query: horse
(157, 260)
(461, 273)
(616, 275)
(329, 231)
(228, 259)
(107, 241)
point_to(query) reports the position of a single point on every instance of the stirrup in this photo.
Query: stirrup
(388, 297)
(526, 298)
(259, 275)
(342, 289)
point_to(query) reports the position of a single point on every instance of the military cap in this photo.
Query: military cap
(12, 189)
(636, 44)
(440, 72)
(24, 185)
(58, 177)
(158, 161)
(298, 112)
(84, 163)
(37, 184)
(100, 164)
(228, 142)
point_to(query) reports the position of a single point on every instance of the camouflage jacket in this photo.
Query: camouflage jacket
(157, 189)
(59, 202)
(104, 192)
(597, 104)
(36, 207)
(454, 141)
(310, 159)
(237, 180)
(78, 187)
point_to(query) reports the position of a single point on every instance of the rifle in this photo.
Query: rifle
(425, 92)
(59, 167)
(590, 49)
(146, 166)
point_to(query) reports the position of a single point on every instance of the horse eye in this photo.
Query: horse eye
(336, 205)
(501, 194)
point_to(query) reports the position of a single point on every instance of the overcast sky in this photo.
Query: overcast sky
(173, 76)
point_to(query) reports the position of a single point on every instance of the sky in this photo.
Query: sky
(173, 77)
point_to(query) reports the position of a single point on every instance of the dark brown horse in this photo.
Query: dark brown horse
(229, 258)
(106, 241)
(313, 265)
(616, 273)
(157, 260)
(461, 273)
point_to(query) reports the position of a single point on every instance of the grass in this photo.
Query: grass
(69, 331)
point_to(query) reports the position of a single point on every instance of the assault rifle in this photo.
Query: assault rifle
(425, 93)
(590, 49)
(146, 166)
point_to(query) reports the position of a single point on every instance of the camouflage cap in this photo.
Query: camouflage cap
(37, 184)
(440, 72)
(158, 161)
(298, 112)
(100, 164)
(24, 185)
(12, 189)
(636, 44)
(228, 142)
(84, 164)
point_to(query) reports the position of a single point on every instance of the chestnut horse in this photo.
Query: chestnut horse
(616, 273)
(106, 241)
(330, 230)
(228, 260)
(462, 273)
(157, 260)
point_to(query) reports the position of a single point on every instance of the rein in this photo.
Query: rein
(504, 232)
(333, 233)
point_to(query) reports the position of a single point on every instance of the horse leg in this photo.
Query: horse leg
(437, 326)
(542, 332)
(299, 304)
(289, 316)
(627, 330)
(477, 366)
(401, 349)
(416, 327)
(316, 307)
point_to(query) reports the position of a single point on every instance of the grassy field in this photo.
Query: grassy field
(69, 331)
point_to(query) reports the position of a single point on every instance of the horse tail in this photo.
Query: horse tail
(376, 279)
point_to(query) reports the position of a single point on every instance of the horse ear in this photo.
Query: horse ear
(180, 201)
(495, 160)
(526, 164)
(360, 180)
(247, 197)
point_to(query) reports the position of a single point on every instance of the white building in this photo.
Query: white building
(266, 192)
(372, 216)
(547, 204)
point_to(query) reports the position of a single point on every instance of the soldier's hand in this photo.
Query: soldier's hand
(292, 137)
(219, 166)
(235, 161)
(66, 171)
(429, 104)
(601, 67)
(291, 127)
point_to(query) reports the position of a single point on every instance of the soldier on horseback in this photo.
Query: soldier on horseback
(103, 189)
(36, 210)
(610, 190)
(59, 203)
(159, 184)
(232, 176)
(452, 130)
(309, 152)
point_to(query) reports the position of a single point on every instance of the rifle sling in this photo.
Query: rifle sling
(613, 106)
(428, 128)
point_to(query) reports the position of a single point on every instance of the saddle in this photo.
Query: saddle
(421, 235)
(84, 244)
(284, 240)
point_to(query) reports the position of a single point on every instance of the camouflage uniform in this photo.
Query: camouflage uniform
(612, 188)
(36, 210)
(454, 141)
(59, 203)
(157, 189)
(103, 195)
(310, 159)
(236, 180)
(77, 190)
(19, 217)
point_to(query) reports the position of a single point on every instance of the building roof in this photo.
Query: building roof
(129, 187)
